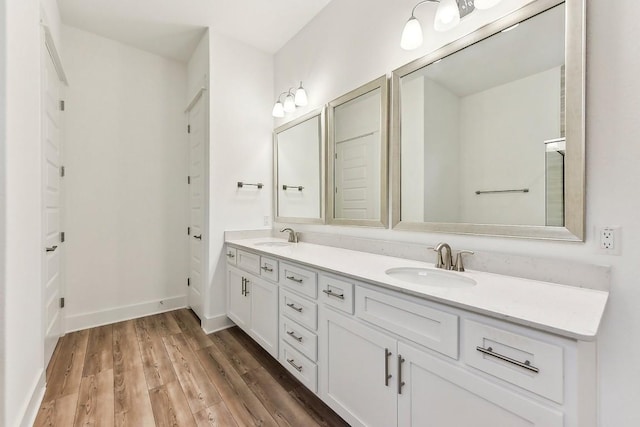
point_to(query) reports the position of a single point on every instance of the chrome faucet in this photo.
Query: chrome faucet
(445, 260)
(293, 236)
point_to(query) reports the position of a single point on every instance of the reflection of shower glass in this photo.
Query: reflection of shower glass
(554, 182)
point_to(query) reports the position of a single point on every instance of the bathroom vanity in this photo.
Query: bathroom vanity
(387, 341)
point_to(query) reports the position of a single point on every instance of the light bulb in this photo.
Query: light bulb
(301, 96)
(447, 15)
(278, 110)
(411, 35)
(485, 4)
(289, 104)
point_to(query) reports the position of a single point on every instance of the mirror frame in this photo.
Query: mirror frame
(574, 192)
(381, 83)
(321, 113)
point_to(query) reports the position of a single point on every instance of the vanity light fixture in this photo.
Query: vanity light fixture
(448, 15)
(291, 101)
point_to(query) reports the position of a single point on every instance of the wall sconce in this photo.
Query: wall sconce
(291, 101)
(448, 15)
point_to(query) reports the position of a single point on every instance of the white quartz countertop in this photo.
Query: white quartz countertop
(563, 310)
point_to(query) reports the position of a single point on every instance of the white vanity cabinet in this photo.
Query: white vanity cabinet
(252, 304)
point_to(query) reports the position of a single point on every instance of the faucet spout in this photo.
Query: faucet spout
(444, 259)
(293, 236)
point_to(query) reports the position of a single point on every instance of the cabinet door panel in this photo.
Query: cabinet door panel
(264, 314)
(354, 383)
(440, 394)
(238, 304)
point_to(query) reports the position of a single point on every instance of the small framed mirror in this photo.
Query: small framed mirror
(299, 165)
(357, 152)
(488, 132)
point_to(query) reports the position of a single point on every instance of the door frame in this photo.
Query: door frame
(202, 92)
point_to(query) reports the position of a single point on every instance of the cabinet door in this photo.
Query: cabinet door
(356, 361)
(264, 314)
(238, 304)
(438, 393)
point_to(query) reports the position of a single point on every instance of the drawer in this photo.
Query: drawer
(231, 255)
(299, 279)
(269, 268)
(299, 338)
(520, 360)
(248, 261)
(337, 293)
(301, 367)
(423, 325)
(301, 310)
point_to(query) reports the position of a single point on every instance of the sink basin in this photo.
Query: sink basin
(273, 244)
(429, 277)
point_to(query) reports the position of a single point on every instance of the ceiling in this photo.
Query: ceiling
(172, 28)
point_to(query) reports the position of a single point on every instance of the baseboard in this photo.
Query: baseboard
(216, 323)
(119, 314)
(31, 411)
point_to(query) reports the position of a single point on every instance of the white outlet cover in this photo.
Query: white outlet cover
(608, 240)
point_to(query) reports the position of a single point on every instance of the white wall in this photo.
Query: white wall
(241, 100)
(125, 153)
(351, 42)
(412, 153)
(502, 130)
(23, 357)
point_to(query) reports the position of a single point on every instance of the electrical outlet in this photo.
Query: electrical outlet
(609, 240)
(265, 220)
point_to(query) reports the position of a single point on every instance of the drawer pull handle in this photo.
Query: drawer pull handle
(292, 363)
(526, 364)
(293, 278)
(401, 383)
(230, 255)
(267, 269)
(293, 335)
(333, 294)
(293, 306)
(387, 375)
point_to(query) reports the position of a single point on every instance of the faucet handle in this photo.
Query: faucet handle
(458, 265)
(439, 260)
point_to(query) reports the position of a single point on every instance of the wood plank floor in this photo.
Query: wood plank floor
(163, 370)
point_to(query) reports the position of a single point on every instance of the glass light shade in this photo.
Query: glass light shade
(485, 4)
(411, 35)
(278, 110)
(301, 97)
(447, 15)
(289, 104)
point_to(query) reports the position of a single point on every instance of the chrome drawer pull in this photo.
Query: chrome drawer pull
(387, 375)
(292, 305)
(292, 363)
(401, 383)
(526, 364)
(294, 279)
(265, 268)
(293, 335)
(230, 255)
(333, 294)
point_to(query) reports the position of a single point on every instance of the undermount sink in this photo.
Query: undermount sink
(273, 244)
(430, 277)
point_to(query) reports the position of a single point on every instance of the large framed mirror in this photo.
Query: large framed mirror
(299, 169)
(488, 132)
(357, 151)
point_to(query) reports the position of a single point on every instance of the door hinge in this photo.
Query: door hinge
(62, 302)
(62, 171)
(62, 237)
(188, 128)
(188, 180)
(188, 281)
(188, 231)
(62, 105)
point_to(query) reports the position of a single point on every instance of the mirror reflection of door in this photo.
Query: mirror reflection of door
(357, 158)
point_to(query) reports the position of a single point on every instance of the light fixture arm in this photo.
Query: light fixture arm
(413, 11)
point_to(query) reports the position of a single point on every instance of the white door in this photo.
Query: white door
(264, 314)
(359, 374)
(357, 178)
(197, 135)
(238, 298)
(51, 198)
(436, 393)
